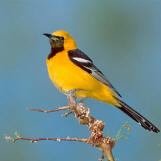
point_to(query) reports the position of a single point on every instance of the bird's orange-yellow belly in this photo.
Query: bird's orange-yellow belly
(67, 76)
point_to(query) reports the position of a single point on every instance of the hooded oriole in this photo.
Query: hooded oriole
(70, 69)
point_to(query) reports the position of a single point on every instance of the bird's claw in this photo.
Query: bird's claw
(72, 92)
(71, 95)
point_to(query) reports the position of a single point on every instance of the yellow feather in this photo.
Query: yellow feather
(67, 76)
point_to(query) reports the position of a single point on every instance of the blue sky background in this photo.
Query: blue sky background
(124, 39)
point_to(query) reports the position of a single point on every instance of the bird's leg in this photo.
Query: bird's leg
(71, 92)
(71, 96)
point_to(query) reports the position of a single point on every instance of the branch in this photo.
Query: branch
(106, 147)
(82, 114)
(53, 110)
(40, 139)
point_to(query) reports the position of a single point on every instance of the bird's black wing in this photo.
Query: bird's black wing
(84, 62)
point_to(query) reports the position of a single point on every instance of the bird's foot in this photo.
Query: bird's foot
(71, 95)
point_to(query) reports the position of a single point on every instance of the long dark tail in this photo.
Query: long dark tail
(137, 117)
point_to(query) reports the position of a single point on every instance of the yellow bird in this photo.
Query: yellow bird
(71, 69)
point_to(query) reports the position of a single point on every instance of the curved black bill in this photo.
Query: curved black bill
(48, 35)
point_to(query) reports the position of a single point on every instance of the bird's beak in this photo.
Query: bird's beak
(51, 39)
(48, 35)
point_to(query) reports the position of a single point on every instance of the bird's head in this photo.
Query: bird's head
(61, 40)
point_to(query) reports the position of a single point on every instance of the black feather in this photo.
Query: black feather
(137, 117)
(90, 67)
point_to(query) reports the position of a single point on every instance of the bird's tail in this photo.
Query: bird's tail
(136, 116)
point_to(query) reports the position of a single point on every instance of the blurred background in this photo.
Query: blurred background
(124, 39)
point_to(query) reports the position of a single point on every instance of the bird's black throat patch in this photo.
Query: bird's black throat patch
(54, 51)
(57, 45)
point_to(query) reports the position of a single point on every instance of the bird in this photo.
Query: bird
(70, 69)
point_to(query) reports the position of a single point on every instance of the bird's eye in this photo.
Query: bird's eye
(54, 38)
(61, 38)
(58, 38)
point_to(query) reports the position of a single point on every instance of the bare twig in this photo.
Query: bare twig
(47, 111)
(40, 139)
(67, 114)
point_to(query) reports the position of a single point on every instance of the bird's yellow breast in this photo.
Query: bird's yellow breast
(67, 76)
